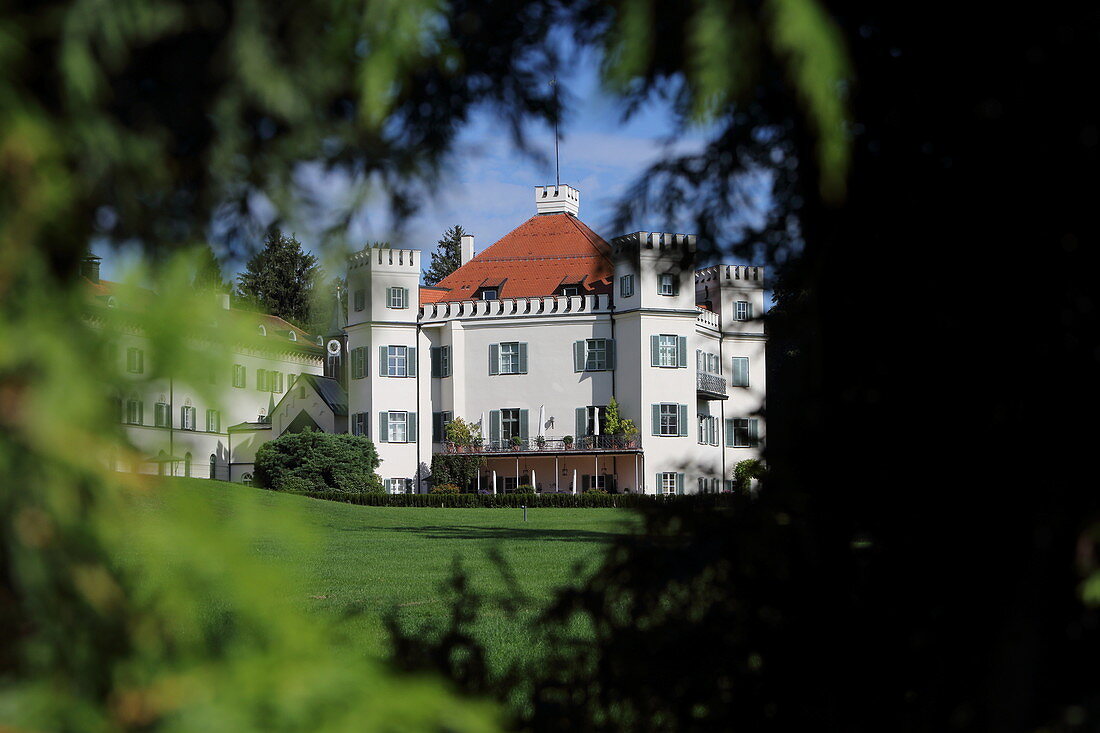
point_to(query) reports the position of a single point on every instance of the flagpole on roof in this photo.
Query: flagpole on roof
(557, 109)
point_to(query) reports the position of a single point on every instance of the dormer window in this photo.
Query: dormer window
(489, 294)
(293, 336)
(570, 290)
(263, 330)
(111, 302)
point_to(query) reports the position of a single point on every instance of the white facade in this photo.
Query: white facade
(509, 366)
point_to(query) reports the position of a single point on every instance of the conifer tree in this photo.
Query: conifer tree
(208, 275)
(279, 278)
(447, 256)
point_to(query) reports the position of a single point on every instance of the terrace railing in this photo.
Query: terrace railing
(583, 444)
(710, 385)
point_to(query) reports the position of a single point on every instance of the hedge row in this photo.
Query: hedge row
(501, 501)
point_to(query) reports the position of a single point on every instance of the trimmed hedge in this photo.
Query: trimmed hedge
(511, 501)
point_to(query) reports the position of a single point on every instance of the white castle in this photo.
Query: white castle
(529, 340)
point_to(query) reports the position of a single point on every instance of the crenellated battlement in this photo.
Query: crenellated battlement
(659, 241)
(515, 307)
(559, 199)
(738, 275)
(386, 259)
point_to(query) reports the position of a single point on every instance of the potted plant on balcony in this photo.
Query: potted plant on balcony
(540, 441)
(517, 442)
(568, 441)
(623, 430)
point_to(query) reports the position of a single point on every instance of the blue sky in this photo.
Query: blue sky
(489, 186)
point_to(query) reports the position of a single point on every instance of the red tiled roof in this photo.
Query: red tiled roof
(534, 259)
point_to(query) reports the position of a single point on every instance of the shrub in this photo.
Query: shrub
(344, 463)
(744, 471)
(596, 492)
(445, 489)
(525, 489)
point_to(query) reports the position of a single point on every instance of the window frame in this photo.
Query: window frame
(626, 286)
(669, 279)
(135, 360)
(240, 376)
(512, 355)
(739, 365)
(397, 362)
(673, 351)
(391, 423)
(669, 420)
(742, 310)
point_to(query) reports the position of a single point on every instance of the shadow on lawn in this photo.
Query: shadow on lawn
(498, 533)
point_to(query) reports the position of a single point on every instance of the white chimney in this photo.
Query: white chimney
(560, 199)
(467, 248)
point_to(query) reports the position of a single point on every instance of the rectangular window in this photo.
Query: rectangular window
(398, 427)
(489, 294)
(669, 483)
(742, 432)
(397, 297)
(187, 418)
(398, 485)
(440, 420)
(213, 421)
(740, 374)
(508, 484)
(509, 425)
(134, 412)
(445, 361)
(135, 361)
(161, 415)
(359, 423)
(360, 299)
(626, 286)
(397, 361)
(708, 430)
(668, 284)
(595, 355)
(239, 375)
(275, 381)
(669, 423)
(742, 311)
(508, 358)
(261, 381)
(714, 366)
(358, 362)
(668, 356)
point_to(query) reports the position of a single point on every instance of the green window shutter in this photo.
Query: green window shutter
(523, 428)
(494, 359)
(655, 350)
(445, 356)
(729, 432)
(434, 354)
(610, 353)
(586, 482)
(676, 287)
(405, 297)
(582, 421)
(748, 309)
(523, 358)
(382, 361)
(437, 427)
(656, 419)
(578, 356)
(383, 427)
(411, 434)
(657, 484)
(410, 361)
(682, 352)
(683, 420)
(754, 432)
(679, 483)
(494, 426)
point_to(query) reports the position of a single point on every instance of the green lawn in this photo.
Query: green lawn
(361, 563)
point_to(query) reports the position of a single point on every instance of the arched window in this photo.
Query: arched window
(263, 331)
(293, 336)
(246, 479)
(187, 464)
(213, 466)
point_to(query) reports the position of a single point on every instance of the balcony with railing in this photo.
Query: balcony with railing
(582, 444)
(711, 386)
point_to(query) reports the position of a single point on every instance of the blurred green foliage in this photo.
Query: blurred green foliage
(140, 121)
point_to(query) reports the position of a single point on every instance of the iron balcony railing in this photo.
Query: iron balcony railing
(584, 443)
(711, 385)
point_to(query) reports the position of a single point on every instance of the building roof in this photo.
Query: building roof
(330, 390)
(534, 259)
(277, 333)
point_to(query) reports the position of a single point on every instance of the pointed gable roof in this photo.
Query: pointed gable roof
(534, 259)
